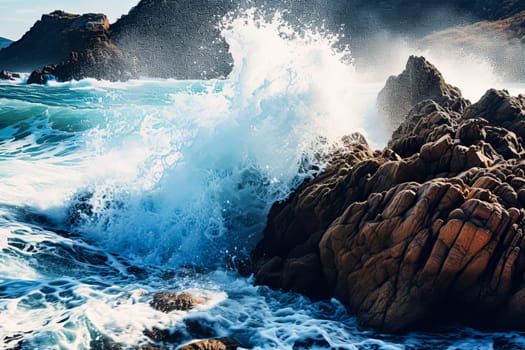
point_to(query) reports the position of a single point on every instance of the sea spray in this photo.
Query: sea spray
(109, 190)
(192, 181)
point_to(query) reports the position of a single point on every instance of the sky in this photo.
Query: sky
(17, 16)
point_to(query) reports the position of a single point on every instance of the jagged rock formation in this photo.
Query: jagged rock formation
(52, 40)
(418, 82)
(430, 229)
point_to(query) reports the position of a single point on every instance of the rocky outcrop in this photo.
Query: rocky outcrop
(6, 75)
(52, 39)
(428, 230)
(419, 81)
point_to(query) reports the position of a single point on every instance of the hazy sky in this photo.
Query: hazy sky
(17, 16)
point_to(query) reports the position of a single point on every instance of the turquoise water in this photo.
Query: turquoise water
(110, 192)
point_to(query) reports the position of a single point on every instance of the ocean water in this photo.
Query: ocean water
(110, 192)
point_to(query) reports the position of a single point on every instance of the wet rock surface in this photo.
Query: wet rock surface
(171, 301)
(6, 75)
(428, 230)
(213, 344)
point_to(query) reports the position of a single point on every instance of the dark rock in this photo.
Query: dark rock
(41, 76)
(5, 75)
(419, 81)
(430, 232)
(498, 107)
(150, 347)
(199, 328)
(175, 39)
(213, 344)
(52, 39)
(164, 335)
(169, 301)
(295, 226)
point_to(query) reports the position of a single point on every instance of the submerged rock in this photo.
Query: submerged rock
(41, 76)
(5, 75)
(430, 230)
(213, 344)
(170, 301)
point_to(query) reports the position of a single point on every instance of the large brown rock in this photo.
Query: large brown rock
(288, 257)
(430, 230)
(416, 253)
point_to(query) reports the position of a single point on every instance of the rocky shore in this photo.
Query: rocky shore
(181, 39)
(428, 230)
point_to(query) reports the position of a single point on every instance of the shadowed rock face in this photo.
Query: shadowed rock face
(52, 39)
(418, 82)
(428, 230)
(175, 38)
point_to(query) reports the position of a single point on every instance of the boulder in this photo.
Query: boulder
(41, 76)
(6, 75)
(170, 301)
(498, 107)
(213, 344)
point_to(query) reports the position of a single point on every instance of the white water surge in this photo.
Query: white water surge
(110, 192)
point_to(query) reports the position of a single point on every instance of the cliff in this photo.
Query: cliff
(53, 38)
(428, 230)
(164, 39)
(175, 39)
